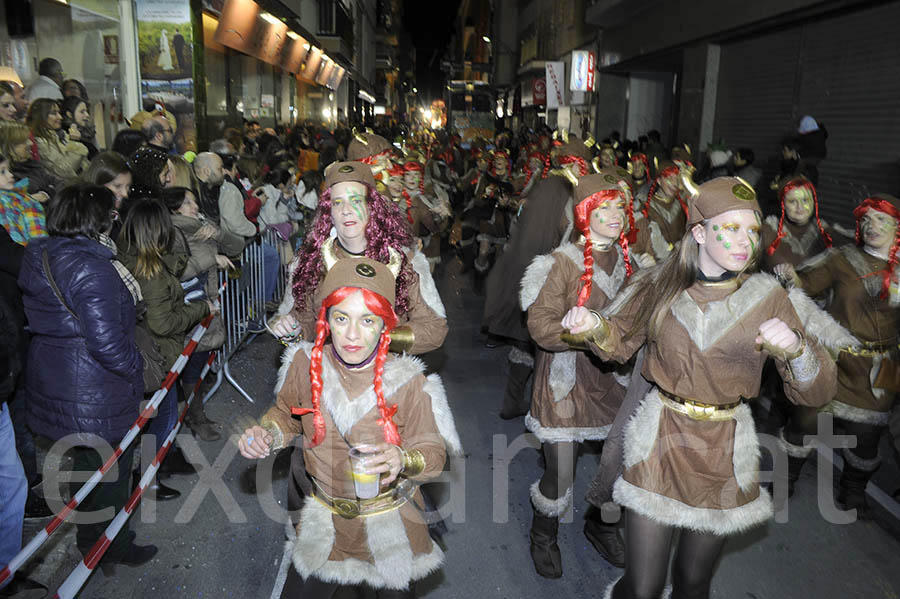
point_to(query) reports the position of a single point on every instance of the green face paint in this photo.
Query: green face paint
(718, 238)
(716, 228)
(359, 208)
(727, 245)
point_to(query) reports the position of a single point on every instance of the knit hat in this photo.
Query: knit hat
(340, 172)
(718, 196)
(366, 145)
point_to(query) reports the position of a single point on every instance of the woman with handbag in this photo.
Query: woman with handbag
(207, 248)
(81, 309)
(145, 247)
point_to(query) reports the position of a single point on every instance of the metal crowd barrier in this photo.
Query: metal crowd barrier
(244, 302)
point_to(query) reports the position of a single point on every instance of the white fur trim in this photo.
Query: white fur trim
(287, 301)
(637, 282)
(562, 374)
(622, 378)
(672, 512)
(873, 376)
(866, 465)
(854, 414)
(517, 356)
(558, 434)
(793, 451)
(287, 358)
(533, 280)
(393, 565)
(609, 284)
(346, 413)
(772, 221)
(658, 243)
(315, 538)
(642, 429)
(855, 257)
(666, 594)
(553, 508)
(427, 288)
(850, 233)
(819, 324)
(569, 211)
(443, 416)
(817, 260)
(805, 369)
(745, 456)
(706, 328)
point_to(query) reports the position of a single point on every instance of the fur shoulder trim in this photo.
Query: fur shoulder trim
(345, 413)
(571, 251)
(533, 280)
(443, 416)
(819, 324)
(817, 260)
(772, 221)
(287, 358)
(287, 301)
(427, 288)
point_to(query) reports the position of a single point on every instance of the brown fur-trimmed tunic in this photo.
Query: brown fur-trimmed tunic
(798, 243)
(386, 550)
(697, 474)
(854, 276)
(576, 396)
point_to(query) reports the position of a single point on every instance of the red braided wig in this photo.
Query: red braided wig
(790, 186)
(881, 206)
(669, 171)
(380, 307)
(642, 158)
(583, 168)
(527, 169)
(416, 167)
(500, 154)
(583, 221)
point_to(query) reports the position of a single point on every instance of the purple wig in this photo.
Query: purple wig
(387, 228)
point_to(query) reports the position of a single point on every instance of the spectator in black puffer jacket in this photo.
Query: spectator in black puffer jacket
(85, 374)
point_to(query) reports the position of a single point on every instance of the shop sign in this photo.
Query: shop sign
(165, 47)
(583, 70)
(538, 91)
(556, 78)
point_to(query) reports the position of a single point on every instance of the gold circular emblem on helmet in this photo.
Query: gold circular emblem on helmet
(743, 192)
(346, 169)
(365, 270)
(609, 179)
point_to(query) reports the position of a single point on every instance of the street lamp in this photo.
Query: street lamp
(415, 90)
(486, 39)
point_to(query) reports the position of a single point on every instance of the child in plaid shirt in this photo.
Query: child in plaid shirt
(20, 213)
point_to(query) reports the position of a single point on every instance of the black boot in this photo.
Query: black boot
(137, 555)
(606, 538)
(514, 402)
(23, 588)
(854, 478)
(544, 549)
(35, 504)
(795, 466)
(176, 463)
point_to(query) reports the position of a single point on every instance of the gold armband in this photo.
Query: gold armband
(402, 339)
(596, 335)
(413, 462)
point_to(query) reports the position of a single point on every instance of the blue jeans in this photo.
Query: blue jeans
(166, 416)
(13, 491)
(271, 266)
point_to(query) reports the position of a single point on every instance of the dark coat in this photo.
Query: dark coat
(12, 317)
(85, 375)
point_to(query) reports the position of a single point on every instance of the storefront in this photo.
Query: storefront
(84, 36)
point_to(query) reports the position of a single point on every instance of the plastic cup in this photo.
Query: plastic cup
(367, 485)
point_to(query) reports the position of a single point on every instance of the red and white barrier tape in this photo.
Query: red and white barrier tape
(28, 551)
(85, 567)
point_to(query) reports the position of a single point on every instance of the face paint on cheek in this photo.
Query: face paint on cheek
(360, 210)
(716, 228)
(727, 245)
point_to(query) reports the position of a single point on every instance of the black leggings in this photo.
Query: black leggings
(647, 548)
(559, 469)
(313, 588)
(804, 422)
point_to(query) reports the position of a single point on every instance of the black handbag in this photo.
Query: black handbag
(154, 363)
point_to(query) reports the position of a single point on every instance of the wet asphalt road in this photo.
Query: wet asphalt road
(222, 543)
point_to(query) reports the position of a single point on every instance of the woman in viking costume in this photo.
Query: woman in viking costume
(690, 448)
(862, 279)
(575, 395)
(346, 391)
(664, 210)
(799, 233)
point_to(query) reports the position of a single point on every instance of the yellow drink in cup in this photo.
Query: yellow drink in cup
(366, 484)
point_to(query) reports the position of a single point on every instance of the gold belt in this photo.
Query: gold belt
(351, 508)
(870, 349)
(698, 410)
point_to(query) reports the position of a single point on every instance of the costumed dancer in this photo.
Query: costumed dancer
(795, 236)
(546, 220)
(355, 399)
(639, 168)
(472, 186)
(532, 171)
(374, 151)
(708, 327)
(665, 210)
(576, 396)
(863, 281)
(494, 210)
(393, 179)
(427, 213)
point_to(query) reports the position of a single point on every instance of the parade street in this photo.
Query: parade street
(231, 548)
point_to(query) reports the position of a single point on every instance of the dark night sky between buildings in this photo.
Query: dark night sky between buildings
(430, 24)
